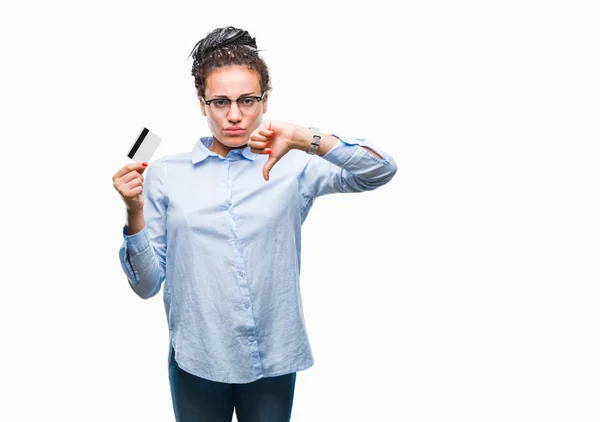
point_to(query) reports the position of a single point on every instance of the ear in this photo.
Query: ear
(265, 102)
(202, 106)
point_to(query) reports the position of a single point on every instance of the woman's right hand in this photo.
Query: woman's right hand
(128, 181)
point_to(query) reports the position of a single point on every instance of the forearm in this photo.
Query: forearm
(143, 252)
(360, 165)
(135, 222)
(303, 138)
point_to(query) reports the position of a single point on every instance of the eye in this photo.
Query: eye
(220, 103)
(247, 101)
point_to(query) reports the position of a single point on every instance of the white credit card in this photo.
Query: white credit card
(145, 145)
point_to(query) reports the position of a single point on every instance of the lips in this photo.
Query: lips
(234, 131)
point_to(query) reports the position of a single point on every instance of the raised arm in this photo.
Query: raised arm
(143, 252)
(303, 139)
(341, 164)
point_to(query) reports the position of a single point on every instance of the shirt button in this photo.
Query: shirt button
(241, 273)
(247, 305)
(250, 339)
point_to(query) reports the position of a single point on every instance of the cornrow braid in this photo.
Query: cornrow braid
(227, 46)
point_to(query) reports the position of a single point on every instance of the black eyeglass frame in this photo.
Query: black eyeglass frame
(257, 98)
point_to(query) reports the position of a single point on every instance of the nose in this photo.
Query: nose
(234, 114)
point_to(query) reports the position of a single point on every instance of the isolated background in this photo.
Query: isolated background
(467, 289)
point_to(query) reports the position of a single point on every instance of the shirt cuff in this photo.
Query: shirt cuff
(137, 242)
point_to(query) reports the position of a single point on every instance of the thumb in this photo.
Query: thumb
(143, 168)
(268, 166)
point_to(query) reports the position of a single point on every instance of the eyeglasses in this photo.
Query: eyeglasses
(221, 106)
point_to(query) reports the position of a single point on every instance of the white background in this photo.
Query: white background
(467, 289)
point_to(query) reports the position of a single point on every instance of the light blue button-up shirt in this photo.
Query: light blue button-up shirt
(226, 243)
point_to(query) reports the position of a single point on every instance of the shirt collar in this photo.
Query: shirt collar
(201, 151)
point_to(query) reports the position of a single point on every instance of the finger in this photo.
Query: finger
(136, 191)
(258, 138)
(268, 166)
(131, 189)
(138, 166)
(135, 183)
(266, 132)
(256, 151)
(271, 129)
(132, 175)
(258, 144)
(261, 151)
(127, 178)
(264, 150)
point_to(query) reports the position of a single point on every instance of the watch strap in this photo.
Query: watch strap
(316, 140)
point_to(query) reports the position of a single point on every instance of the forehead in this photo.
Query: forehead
(232, 81)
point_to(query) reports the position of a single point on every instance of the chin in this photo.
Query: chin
(235, 141)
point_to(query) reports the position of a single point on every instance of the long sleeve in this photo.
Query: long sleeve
(234, 316)
(143, 254)
(346, 168)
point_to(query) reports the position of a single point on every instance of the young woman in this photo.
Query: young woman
(221, 227)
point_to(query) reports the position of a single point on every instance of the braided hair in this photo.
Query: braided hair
(227, 46)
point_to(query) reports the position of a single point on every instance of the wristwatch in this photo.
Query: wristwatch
(316, 141)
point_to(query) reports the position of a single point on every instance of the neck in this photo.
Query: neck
(222, 149)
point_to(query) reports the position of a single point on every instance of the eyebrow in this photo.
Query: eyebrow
(243, 95)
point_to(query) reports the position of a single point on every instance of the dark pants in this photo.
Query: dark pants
(199, 400)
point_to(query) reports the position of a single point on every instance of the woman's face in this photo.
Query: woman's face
(233, 82)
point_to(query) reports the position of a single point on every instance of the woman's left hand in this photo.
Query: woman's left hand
(272, 138)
